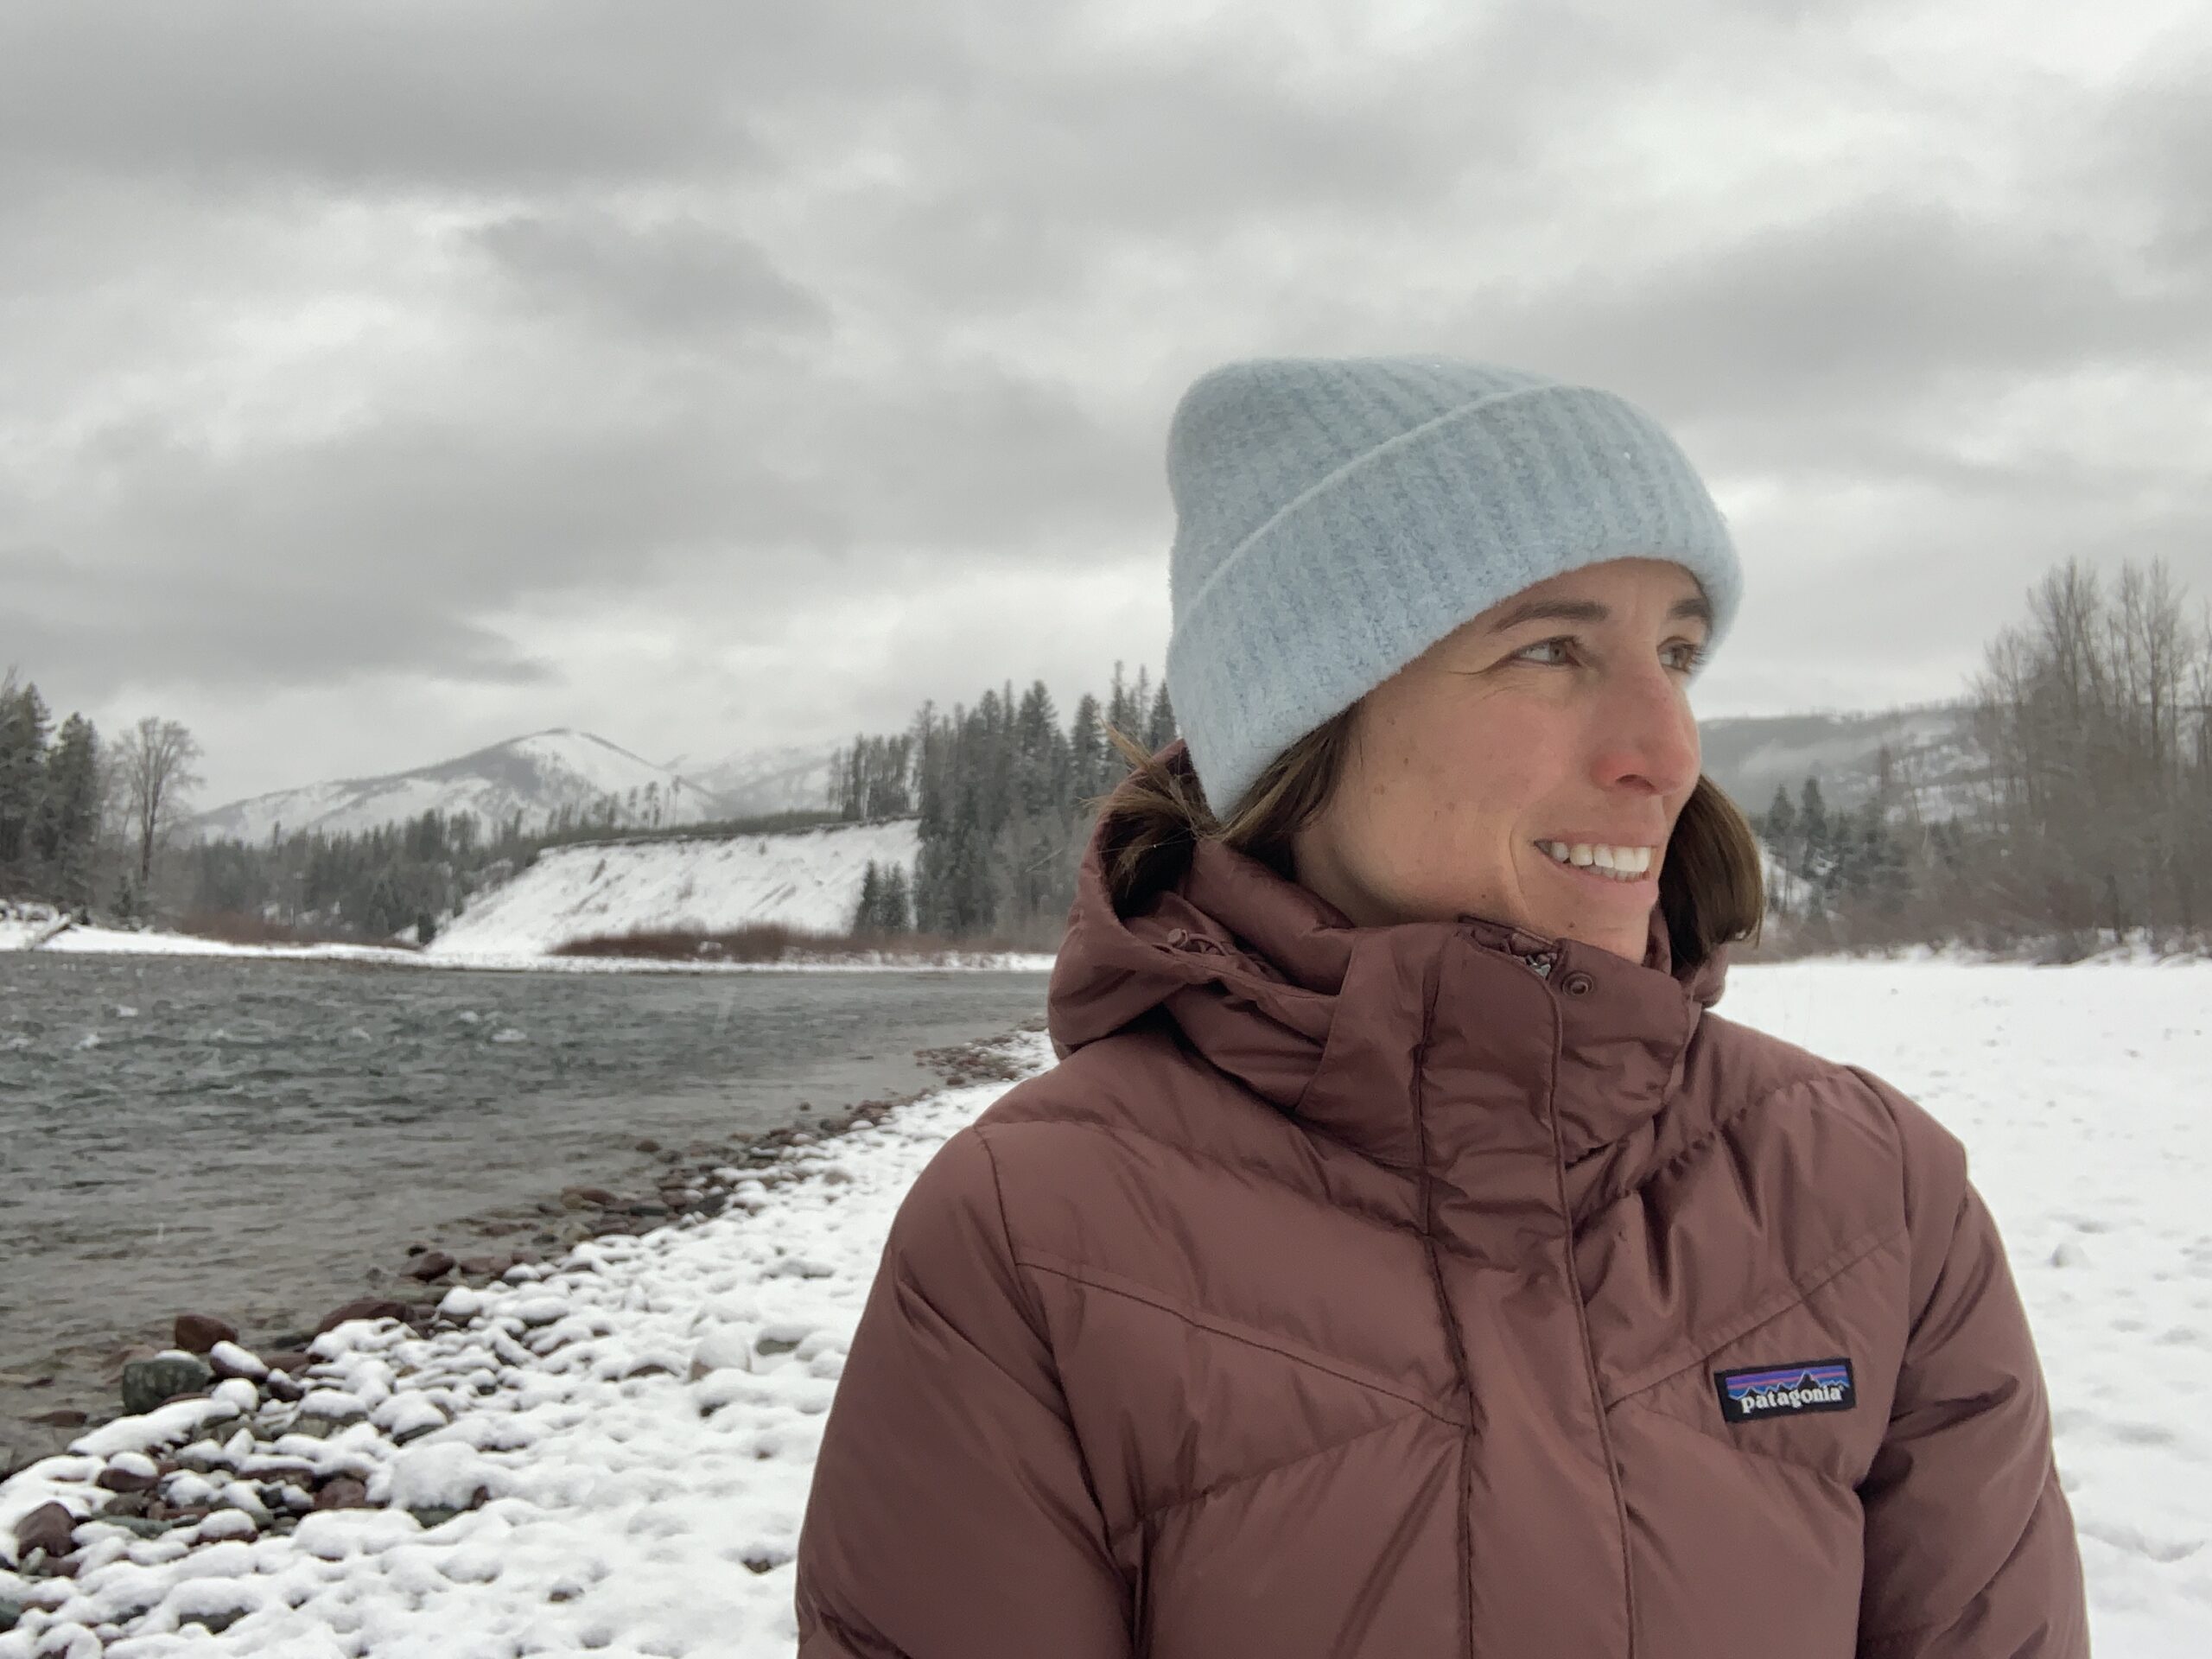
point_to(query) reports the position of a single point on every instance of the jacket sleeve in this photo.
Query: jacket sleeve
(952, 1516)
(1970, 1545)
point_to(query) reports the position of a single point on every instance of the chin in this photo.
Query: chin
(1609, 935)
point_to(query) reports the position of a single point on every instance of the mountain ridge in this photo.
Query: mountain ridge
(537, 777)
(1931, 756)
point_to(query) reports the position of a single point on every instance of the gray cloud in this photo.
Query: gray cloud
(358, 345)
(685, 278)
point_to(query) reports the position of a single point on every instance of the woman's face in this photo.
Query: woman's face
(1555, 723)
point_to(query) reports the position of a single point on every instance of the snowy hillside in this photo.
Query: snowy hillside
(809, 881)
(534, 777)
(756, 782)
(1932, 755)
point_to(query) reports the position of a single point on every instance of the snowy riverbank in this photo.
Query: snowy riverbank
(40, 931)
(640, 1419)
(639, 1422)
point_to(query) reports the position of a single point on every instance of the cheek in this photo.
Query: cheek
(1454, 794)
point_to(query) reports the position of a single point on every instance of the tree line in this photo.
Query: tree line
(1005, 794)
(83, 820)
(2084, 817)
(91, 825)
(2088, 818)
(1822, 859)
(2095, 714)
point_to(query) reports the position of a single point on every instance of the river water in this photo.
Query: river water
(261, 1140)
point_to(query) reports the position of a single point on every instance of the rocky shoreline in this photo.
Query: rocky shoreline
(217, 1437)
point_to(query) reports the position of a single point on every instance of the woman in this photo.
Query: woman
(1400, 1261)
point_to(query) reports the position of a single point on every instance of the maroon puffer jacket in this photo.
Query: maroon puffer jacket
(1424, 1291)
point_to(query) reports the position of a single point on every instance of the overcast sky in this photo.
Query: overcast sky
(381, 380)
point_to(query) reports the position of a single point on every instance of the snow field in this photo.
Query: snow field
(641, 1420)
(2084, 1096)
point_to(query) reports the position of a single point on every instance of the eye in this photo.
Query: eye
(1685, 656)
(1562, 649)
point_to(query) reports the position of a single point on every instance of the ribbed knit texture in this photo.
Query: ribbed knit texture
(1335, 518)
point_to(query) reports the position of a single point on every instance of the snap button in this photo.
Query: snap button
(1577, 984)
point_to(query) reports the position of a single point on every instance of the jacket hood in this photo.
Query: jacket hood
(1337, 1025)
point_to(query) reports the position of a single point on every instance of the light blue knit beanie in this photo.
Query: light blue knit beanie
(1335, 518)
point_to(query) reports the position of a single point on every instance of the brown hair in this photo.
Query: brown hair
(1712, 890)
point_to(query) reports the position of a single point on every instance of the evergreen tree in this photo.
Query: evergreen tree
(1780, 826)
(1780, 832)
(68, 831)
(1884, 877)
(971, 903)
(24, 727)
(1814, 848)
(1041, 754)
(867, 920)
(1160, 724)
(1089, 756)
(894, 899)
(1124, 713)
(1005, 795)
(882, 909)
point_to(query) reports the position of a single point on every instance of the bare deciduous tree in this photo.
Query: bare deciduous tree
(154, 779)
(2094, 716)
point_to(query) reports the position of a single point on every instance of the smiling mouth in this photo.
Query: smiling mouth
(1626, 866)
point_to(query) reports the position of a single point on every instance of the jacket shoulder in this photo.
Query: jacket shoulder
(1868, 1135)
(1735, 1070)
(1088, 1151)
(1140, 1084)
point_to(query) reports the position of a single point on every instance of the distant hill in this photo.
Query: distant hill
(757, 783)
(1932, 755)
(1929, 748)
(534, 777)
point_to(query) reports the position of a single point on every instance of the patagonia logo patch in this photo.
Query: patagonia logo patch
(1786, 1390)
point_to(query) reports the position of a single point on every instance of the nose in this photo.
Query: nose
(1647, 739)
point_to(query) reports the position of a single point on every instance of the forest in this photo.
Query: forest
(2086, 818)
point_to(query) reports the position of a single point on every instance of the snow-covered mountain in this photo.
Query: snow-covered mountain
(756, 782)
(1932, 756)
(1931, 752)
(534, 777)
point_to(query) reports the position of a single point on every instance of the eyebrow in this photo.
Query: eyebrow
(1696, 607)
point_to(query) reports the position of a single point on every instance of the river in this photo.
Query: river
(261, 1140)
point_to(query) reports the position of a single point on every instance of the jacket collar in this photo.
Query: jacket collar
(1443, 1046)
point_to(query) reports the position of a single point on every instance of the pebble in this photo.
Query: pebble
(228, 1359)
(149, 1383)
(196, 1333)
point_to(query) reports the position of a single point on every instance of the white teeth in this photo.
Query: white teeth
(1622, 863)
